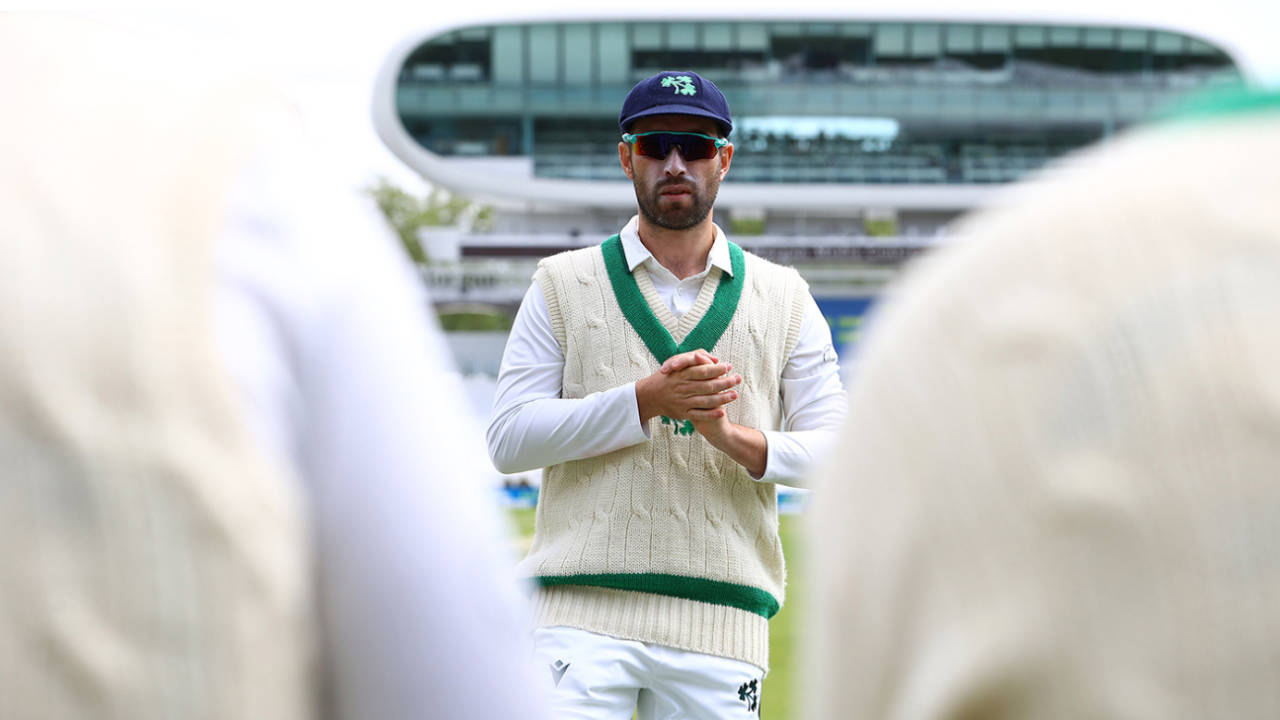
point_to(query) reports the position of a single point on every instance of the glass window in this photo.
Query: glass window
(1032, 36)
(1087, 75)
(454, 58)
(647, 36)
(753, 36)
(1198, 47)
(993, 38)
(1064, 36)
(1099, 38)
(1131, 57)
(427, 71)
(508, 55)
(615, 53)
(891, 39)
(1133, 40)
(1168, 43)
(926, 40)
(961, 39)
(576, 53)
(544, 54)
(980, 47)
(682, 36)
(717, 36)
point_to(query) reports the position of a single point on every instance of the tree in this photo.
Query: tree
(409, 214)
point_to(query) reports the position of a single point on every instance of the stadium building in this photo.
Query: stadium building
(858, 140)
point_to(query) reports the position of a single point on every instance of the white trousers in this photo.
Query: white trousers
(597, 677)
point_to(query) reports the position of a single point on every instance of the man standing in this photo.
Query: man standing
(666, 380)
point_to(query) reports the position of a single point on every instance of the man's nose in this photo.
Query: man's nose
(674, 164)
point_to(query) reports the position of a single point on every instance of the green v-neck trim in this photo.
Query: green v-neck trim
(637, 311)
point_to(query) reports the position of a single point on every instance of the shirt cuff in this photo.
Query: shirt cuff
(627, 400)
(781, 466)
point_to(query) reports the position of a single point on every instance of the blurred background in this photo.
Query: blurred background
(862, 133)
(486, 133)
(861, 136)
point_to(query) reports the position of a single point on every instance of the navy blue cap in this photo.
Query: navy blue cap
(675, 92)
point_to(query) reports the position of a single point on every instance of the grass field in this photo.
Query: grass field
(781, 691)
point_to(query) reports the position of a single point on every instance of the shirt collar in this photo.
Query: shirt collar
(637, 253)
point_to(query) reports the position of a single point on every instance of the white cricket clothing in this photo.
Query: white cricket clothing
(532, 426)
(1056, 496)
(597, 677)
(668, 541)
(237, 480)
(346, 380)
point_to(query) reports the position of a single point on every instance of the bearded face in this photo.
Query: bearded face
(676, 203)
(672, 192)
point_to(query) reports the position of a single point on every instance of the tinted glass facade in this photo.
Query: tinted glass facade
(838, 102)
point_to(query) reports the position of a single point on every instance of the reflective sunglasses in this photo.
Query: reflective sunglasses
(693, 146)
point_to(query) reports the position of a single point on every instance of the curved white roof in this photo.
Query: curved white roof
(1244, 29)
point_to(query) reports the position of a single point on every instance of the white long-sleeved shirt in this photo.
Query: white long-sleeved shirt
(346, 380)
(134, 516)
(532, 426)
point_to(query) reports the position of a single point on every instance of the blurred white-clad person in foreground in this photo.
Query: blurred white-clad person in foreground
(237, 475)
(1058, 494)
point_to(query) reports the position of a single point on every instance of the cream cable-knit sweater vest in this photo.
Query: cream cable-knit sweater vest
(668, 541)
(1073, 511)
(154, 566)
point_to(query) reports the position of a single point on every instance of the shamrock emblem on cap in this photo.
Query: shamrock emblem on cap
(683, 84)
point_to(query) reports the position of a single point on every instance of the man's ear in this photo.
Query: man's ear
(726, 158)
(624, 157)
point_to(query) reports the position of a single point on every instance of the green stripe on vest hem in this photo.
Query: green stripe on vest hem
(638, 313)
(715, 592)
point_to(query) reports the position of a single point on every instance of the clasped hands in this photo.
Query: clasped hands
(696, 386)
(693, 386)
